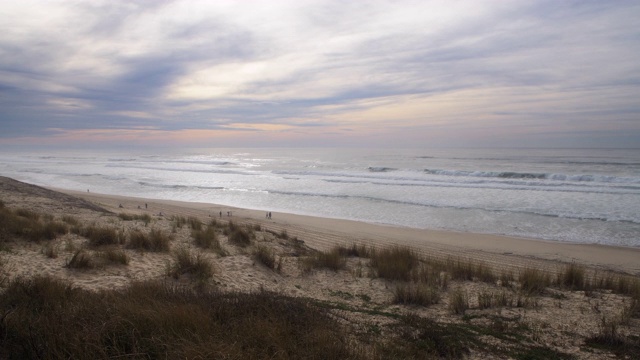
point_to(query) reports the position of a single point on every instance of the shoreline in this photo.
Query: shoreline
(503, 252)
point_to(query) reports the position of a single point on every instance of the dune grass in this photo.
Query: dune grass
(332, 260)
(29, 225)
(187, 263)
(50, 319)
(155, 241)
(102, 235)
(267, 258)
(238, 235)
(534, 281)
(146, 218)
(394, 263)
(206, 238)
(416, 294)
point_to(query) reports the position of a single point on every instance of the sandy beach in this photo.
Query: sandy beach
(559, 319)
(322, 233)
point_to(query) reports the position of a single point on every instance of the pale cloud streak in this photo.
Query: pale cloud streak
(318, 72)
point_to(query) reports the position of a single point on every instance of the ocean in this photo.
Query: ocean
(569, 195)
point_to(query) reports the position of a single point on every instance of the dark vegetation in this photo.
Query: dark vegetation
(28, 225)
(44, 318)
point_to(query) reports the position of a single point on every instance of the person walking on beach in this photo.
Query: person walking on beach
(220, 213)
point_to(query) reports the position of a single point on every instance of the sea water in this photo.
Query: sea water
(573, 195)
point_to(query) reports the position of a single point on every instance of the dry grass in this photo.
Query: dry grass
(394, 263)
(416, 294)
(114, 256)
(146, 218)
(206, 239)
(534, 281)
(29, 225)
(156, 241)
(49, 319)
(81, 260)
(331, 260)
(102, 236)
(572, 277)
(458, 301)
(238, 235)
(194, 265)
(266, 257)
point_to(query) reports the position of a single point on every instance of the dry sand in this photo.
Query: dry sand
(561, 322)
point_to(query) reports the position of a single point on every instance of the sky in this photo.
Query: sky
(319, 73)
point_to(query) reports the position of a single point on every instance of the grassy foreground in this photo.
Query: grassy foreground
(373, 303)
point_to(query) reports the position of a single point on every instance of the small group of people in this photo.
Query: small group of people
(269, 215)
(228, 213)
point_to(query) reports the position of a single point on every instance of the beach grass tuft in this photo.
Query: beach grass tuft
(458, 301)
(534, 281)
(267, 258)
(416, 294)
(194, 265)
(80, 260)
(331, 260)
(394, 263)
(156, 240)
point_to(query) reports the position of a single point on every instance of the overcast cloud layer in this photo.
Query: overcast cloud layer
(371, 73)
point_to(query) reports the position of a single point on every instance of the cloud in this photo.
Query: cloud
(318, 68)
